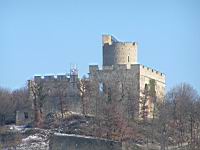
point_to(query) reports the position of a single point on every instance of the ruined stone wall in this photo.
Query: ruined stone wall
(121, 84)
(24, 116)
(115, 52)
(55, 88)
(77, 142)
(129, 82)
(147, 74)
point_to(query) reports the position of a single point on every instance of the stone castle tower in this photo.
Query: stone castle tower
(115, 52)
(131, 79)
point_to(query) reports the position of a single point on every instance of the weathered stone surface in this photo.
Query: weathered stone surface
(77, 142)
(56, 88)
(116, 52)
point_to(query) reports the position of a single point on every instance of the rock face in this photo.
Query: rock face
(77, 142)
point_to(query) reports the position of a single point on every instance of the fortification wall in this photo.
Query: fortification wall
(152, 73)
(123, 82)
(77, 142)
(147, 74)
(51, 78)
(133, 78)
(55, 87)
(116, 73)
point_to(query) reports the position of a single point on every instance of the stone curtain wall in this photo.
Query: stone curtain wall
(77, 142)
(55, 87)
(133, 80)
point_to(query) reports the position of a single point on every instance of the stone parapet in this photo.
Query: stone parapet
(50, 78)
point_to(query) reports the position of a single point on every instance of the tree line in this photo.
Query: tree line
(175, 121)
(10, 102)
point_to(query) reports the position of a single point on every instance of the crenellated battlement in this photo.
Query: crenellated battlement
(141, 69)
(124, 66)
(36, 78)
(152, 71)
(51, 78)
(61, 77)
(113, 67)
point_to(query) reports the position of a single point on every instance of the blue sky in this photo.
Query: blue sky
(39, 37)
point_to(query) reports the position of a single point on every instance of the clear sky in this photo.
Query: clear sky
(39, 37)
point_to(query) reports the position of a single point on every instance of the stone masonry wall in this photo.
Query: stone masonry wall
(133, 80)
(77, 142)
(55, 88)
(124, 84)
(115, 52)
(147, 74)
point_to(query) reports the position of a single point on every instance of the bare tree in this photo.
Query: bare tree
(111, 121)
(38, 94)
(61, 91)
(20, 97)
(162, 123)
(143, 102)
(182, 100)
(111, 124)
(7, 105)
(154, 103)
(84, 86)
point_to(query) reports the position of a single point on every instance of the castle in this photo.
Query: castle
(121, 79)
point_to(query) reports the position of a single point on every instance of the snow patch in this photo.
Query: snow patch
(17, 128)
(32, 138)
(81, 136)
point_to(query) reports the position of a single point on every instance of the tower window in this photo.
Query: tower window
(128, 59)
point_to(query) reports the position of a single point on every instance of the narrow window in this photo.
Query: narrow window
(128, 58)
(26, 115)
(146, 87)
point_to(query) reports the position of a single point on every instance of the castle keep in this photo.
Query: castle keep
(115, 52)
(128, 80)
